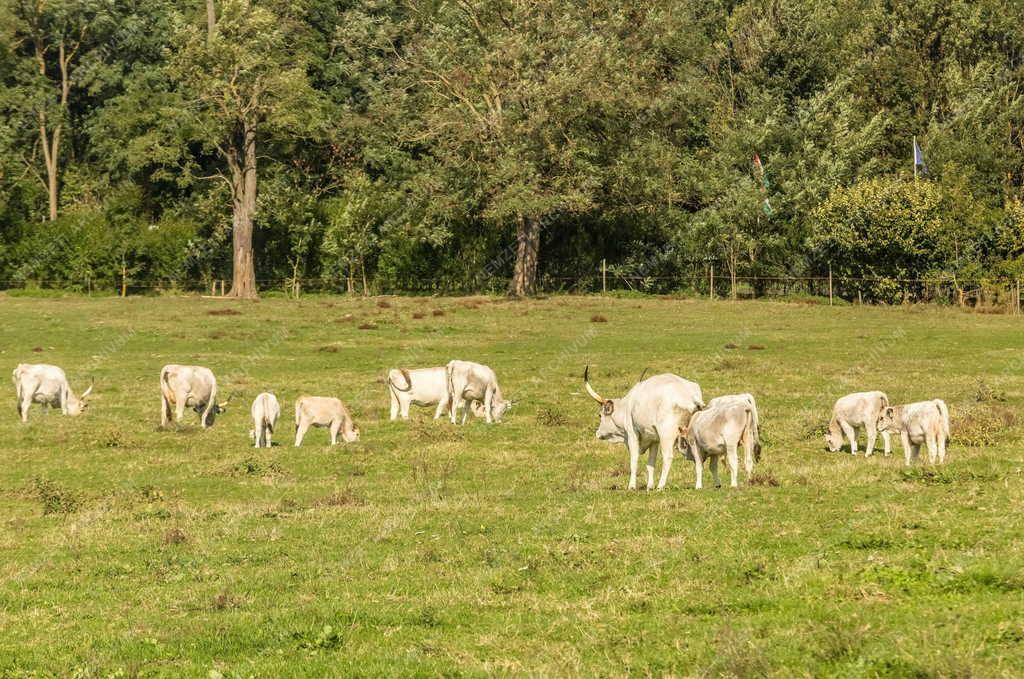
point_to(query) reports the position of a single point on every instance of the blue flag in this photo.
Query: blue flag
(919, 159)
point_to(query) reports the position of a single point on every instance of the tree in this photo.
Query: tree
(520, 105)
(51, 40)
(241, 80)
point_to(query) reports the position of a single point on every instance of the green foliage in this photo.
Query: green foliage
(404, 142)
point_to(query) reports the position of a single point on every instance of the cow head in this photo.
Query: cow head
(888, 420)
(77, 404)
(499, 407)
(350, 432)
(833, 437)
(216, 410)
(610, 428)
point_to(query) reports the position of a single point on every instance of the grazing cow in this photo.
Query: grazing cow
(853, 412)
(422, 387)
(719, 430)
(468, 382)
(648, 417)
(747, 399)
(47, 385)
(189, 386)
(324, 411)
(265, 411)
(923, 422)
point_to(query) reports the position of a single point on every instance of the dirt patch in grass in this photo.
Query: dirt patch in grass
(731, 345)
(341, 498)
(437, 312)
(224, 312)
(418, 314)
(383, 304)
(756, 347)
(175, 536)
(598, 318)
(328, 349)
(366, 326)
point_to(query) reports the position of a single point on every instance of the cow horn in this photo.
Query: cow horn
(590, 390)
(223, 404)
(87, 391)
(642, 375)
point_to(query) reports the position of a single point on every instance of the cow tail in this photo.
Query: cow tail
(449, 378)
(944, 411)
(405, 375)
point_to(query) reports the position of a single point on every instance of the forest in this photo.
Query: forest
(509, 146)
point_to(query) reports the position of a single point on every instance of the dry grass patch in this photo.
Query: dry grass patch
(598, 318)
(224, 312)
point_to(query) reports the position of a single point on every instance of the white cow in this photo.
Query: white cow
(265, 411)
(923, 422)
(47, 385)
(422, 387)
(324, 411)
(719, 430)
(743, 399)
(468, 382)
(857, 411)
(189, 386)
(650, 416)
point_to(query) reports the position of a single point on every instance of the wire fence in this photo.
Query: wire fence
(995, 295)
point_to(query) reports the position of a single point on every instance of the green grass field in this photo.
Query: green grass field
(428, 549)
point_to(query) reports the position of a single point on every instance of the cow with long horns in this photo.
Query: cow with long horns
(649, 417)
(189, 386)
(46, 385)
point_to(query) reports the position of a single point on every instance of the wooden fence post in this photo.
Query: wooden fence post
(711, 284)
(830, 283)
(604, 275)
(222, 287)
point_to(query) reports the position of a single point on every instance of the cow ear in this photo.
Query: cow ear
(608, 407)
(888, 411)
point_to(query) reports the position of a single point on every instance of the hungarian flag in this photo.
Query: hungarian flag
(919, 159)
(762, 176)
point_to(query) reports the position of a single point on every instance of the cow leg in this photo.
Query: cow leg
(335, 428)
(179, 407)
(456, 388)
(394, 404)
(266, 437)
(732, 456)
(64, 400)
(851, 434)
(652, 455)
(634, 458)
(26, 403)
(488, 400)
(668, 445)
(887, 442)
(257, 435)
(698, 466)
(205, 415)
(908, 449)
(714, 471)
(932, 448)
(301, 428)
(442, 408)
(872, 434)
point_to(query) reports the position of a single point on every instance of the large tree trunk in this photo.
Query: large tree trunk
(243, 281)
(524, 277)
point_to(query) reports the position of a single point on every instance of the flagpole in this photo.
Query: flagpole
(913, 156)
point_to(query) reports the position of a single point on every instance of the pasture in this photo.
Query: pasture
(427, 549)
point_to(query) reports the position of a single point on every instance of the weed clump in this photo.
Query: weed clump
(55, 498)
(763, 478)
(980, 424)
(549, 417)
